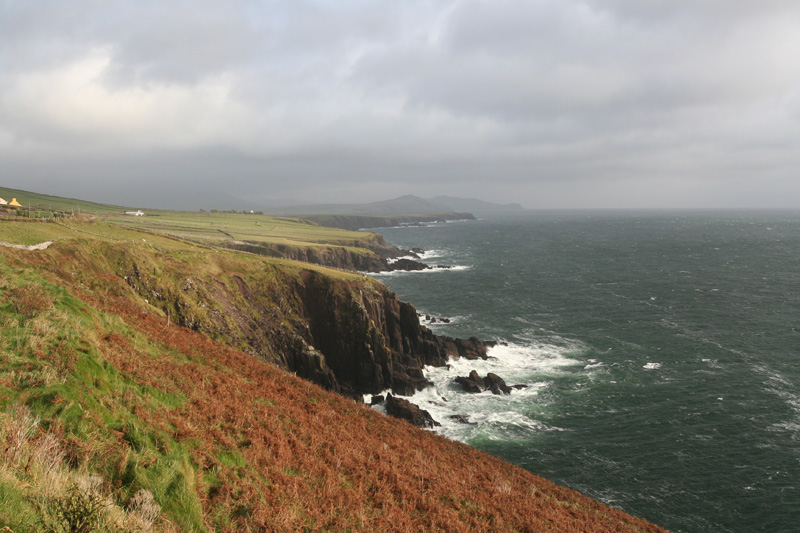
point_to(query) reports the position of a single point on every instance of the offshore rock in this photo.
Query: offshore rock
(475, 384)
(407, 265)
(405, 410)
(377, 399)
(462, 419)
(471, 383)
(496, 384)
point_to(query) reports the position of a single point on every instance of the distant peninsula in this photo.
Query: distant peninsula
(403, 205)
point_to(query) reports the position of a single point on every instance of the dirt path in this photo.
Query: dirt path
(41, 246)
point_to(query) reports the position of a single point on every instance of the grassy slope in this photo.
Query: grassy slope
(221, 441)
(57, 203)
(203, 227)
(213, 228)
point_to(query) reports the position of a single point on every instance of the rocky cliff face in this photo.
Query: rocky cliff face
(347, 333)
(371, 340)
(371, 256)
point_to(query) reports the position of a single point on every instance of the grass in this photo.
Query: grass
(57, 203)
(265, 235)
(214, 228)
(120, 404)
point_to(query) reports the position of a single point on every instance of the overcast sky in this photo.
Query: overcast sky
(549, 103)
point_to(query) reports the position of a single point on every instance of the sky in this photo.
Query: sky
(549, 103)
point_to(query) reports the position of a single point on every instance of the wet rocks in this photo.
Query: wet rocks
(407, 264)
(377, 399)
(405, 410)
(471, 383)
(462, 419)
(430, 319)
(475, 384)
(496, 384)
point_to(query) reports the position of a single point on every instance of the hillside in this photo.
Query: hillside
(125, 397)
(473, 205)
(288, 238)
(57, 203)
(403, 205)
(413, 207)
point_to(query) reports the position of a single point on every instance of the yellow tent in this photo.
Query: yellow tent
(14, 203)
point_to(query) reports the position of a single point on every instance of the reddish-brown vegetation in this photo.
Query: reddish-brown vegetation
(311, 458)
(28, 300)
(272, 452)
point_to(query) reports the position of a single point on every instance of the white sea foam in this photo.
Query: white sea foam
(652, 366)
(433, 254)
(492, 416)
(433, 269)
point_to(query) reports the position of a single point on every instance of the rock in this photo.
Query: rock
(405, 410)
(495, 383)
(472, 348)
(472, 383)
(375, 400)
(463, 420)
(407, 264)
(519, 387)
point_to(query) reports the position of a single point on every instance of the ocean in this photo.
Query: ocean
(660, 353)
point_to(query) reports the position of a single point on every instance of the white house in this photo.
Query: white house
(3, 202)
(135, 213)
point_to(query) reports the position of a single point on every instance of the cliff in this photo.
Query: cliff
(371, 255)
(347, 333)
(120, 404)
(360, 259)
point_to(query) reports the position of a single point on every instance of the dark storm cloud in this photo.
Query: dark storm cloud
(552, 103)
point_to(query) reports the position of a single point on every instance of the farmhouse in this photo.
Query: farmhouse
(135, 213)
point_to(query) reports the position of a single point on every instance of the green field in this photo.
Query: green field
(215, 228)
(57, 203)
(209, 228)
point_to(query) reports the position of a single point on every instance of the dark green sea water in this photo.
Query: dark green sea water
(661, 352)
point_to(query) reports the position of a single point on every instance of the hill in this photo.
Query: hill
(404, 205)
(475, 206)
(412, 206)
(144, 383)
(57, 203)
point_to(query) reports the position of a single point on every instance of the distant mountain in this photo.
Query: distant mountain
(475, 206)
(403, 205)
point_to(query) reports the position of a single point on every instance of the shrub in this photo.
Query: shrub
(78, 511)
(29, 300)
(144, 507)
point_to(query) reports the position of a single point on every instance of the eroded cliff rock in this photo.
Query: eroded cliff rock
(345, 332)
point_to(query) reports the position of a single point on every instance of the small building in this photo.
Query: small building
(135, 213)
(3, 202)
(14, 203)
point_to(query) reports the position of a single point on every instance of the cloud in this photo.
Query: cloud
(327, 101)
